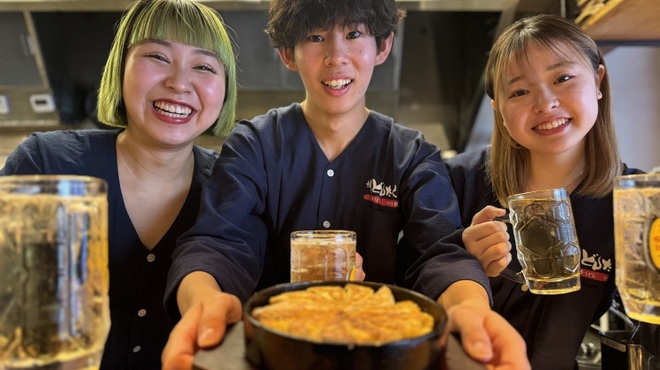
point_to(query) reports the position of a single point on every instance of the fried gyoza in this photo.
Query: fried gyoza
(353, 314)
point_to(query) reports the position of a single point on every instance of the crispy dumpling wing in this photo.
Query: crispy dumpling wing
(354, 314)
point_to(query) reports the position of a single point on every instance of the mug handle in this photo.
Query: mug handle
(516, 277)
(507, 273)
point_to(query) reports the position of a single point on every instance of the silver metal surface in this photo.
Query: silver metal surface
(119, 5)
(24, 85)
(457, 5)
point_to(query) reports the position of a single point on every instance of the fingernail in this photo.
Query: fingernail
(480, 350)
(207, 338)
(504, 219)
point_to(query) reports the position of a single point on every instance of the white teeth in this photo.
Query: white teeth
(337, 84)
(172, 110)
(551, 125)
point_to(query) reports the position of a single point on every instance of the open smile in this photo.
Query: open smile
(172, 110)
(552, 125)
(338, 84)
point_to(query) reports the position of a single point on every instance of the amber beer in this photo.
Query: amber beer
(322, 255)
(54, 309)
(637, 245)
(546, 241)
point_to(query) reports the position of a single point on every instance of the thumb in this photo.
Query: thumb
(487, 214)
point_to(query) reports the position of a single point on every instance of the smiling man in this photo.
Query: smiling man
(329, 163)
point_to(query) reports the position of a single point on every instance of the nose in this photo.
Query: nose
(546, 100)
(178, 80)
(336, 51)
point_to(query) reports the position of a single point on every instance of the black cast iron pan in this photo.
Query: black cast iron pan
(268, 349)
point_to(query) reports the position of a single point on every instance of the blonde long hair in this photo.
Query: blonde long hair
(509, 162)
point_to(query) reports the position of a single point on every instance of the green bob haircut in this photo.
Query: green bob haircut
(183, 21)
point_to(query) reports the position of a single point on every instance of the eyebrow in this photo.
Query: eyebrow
(166, 43)
(550, 68)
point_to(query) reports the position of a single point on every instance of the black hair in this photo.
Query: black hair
(290, 21)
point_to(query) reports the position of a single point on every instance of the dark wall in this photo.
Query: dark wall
(441, 62)
(444, 55)
(74, 47)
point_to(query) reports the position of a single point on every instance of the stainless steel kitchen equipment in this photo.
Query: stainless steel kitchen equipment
(25, 95)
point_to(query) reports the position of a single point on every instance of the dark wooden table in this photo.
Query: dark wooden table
(230, 354)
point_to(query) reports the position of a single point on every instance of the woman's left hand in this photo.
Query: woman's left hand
(359, 275)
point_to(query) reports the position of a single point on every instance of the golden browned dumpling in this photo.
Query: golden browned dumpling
(353, 314)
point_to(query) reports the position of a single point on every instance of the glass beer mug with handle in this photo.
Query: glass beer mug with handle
(546, 241)
(637, 245)
(54, 308)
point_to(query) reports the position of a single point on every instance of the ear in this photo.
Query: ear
(286, 55)
(599, 79)
(384, 49)
(494, 106)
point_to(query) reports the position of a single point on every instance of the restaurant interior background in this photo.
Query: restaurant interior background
(52, 54)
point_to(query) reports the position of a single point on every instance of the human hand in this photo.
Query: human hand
(203, 325)
(487, 337)
(360, 275)
(488, 240)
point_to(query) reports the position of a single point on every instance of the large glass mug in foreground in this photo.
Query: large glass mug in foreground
(54, 308)
(637, 245)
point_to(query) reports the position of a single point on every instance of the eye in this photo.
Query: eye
(315, 38)
(518, 93)
(156, 56)
(563, 78)
(353, 35)
(207, 68)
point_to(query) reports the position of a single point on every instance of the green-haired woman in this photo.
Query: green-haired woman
(170, 77)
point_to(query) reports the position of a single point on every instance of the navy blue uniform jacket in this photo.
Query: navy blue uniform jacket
(140, 326)
(553, 326)
(273, 178)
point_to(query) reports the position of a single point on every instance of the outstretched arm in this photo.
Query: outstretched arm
(206, 311)
(485, 335)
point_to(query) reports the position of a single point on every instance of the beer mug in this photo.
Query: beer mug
(546, 241)
(54, 308)
(322, 255)
(637, 245)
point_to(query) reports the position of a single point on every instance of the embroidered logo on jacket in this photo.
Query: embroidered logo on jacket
(381, 194)
(598, 267)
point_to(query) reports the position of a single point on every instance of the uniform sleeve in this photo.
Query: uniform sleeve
(468, 176)
(26, 159)
(228, 240)
(434, 226)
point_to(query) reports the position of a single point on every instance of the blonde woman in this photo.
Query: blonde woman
(553, 128)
